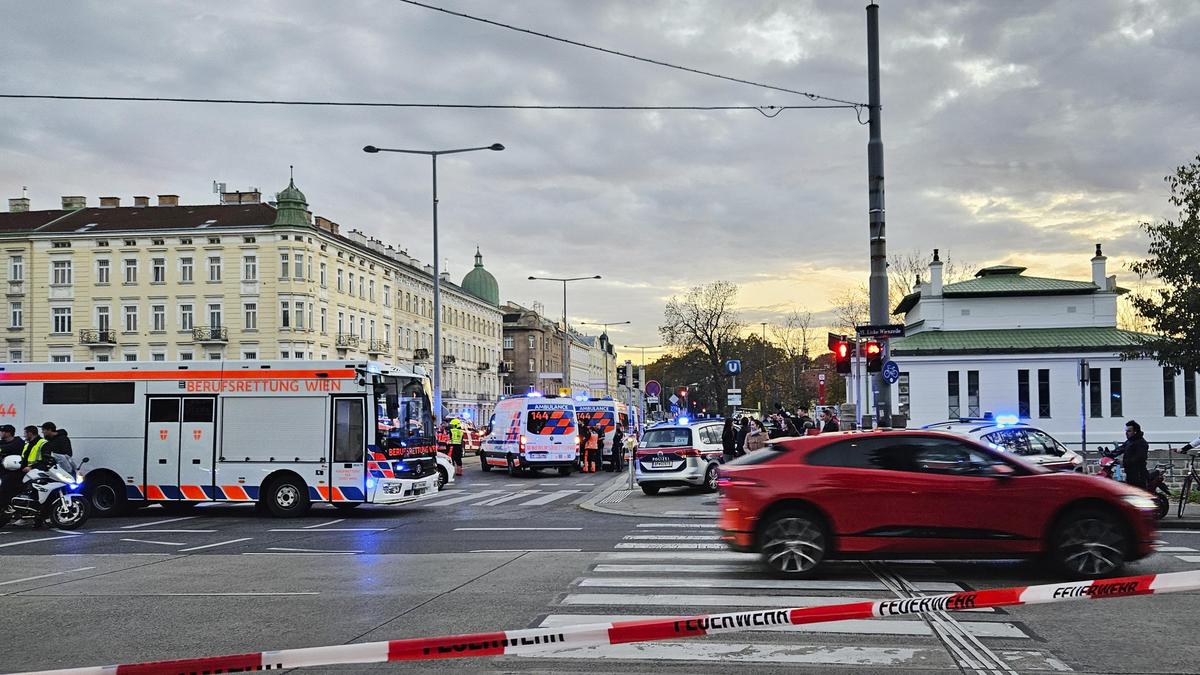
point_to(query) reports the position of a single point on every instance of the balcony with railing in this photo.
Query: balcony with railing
(420, 354)
(346, 341)
(98, 337)
(482, 397)
(506, 367)
(448, 360)
(379, 347)
(213, 334)
(484, 365)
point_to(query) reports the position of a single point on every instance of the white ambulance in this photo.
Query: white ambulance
(606, 415)
(532, 432)
(283, 434)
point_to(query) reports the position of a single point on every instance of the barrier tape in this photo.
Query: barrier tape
(535, 640)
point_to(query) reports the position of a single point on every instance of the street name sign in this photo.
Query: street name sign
(894, 330)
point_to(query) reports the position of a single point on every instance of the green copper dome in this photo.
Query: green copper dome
(291, 207)
(480, 282)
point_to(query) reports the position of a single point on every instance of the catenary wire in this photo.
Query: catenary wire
(815, 97)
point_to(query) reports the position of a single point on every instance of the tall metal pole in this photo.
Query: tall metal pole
(566, 359)
(437, 307)
(879, 279)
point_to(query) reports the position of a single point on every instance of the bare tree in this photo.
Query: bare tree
(704, 319)
(794, 334)
(851, 308)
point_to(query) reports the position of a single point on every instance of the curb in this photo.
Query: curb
(592, 503)
(1169, 523)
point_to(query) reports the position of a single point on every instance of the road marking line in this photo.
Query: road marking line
(775, 584)
(306, 550)
(526, 550)
(1197, 532)
(516, 529)
(677, 525)
(908, 627)
(219, 543)
(923, 658)
(673, 569)
(1175, 549)
(460, 499)
(231, 595)
(301, 553)
(508, 498)
(716, 547)
(688, 600)
(156, 522)
(1184, 558)
(45, 576)
(702, 514)
(680, 555)
(673, 537)
(148, 531)
(585, 484)
(332, 522)
(329, 529)
(553, 496)
(160, 543)
(34, 541)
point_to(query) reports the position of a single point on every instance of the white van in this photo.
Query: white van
(605, 414)
(530, 433)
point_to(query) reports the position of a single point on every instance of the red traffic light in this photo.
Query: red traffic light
(841, 356)
(872, 349)
(842, 350)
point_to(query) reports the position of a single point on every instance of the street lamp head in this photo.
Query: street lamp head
(596, 277)
(496, 146)
(533, 278)
(371, 149)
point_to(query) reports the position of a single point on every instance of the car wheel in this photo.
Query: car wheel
(287, 497)
(650, 489)
(483, 464)
(793, 544)
(1089, 544)
(443, 478)
(710, 478)
(107, 497)
(512, 468)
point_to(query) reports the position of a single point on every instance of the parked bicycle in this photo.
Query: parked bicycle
(1190, 478)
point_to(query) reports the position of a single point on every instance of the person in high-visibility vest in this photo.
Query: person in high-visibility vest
(456, 446)
(32, 452)
(591, 457)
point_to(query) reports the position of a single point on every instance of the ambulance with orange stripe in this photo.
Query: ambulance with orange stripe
(283, 434)
(606, 415)
(532, 432)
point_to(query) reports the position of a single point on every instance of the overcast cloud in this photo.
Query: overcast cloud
(1016, 131)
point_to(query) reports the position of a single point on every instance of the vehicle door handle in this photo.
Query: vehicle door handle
(195, 461)
(162, 461)
(347, 466)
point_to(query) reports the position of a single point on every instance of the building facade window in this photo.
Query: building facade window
(16, 315)
(103, 319)
(284, 268)
(340, 285)
(158, 356)
(532, 342)
(1043, 392)
(508, 342)
(158, 318)
(215, 312)
(1095, 395)
(1189, 393)
(250, 310)
(16, 356)
(249, 268)
(103, 271)
(185, 270)
(285, 314)
(158, 270)
(16, 268)
(131, 318)
(1114, 392)
(371, 291)
(387, 295)
(62, 320)
(954, 401)
(1023, 394)
(1168, 392)
(324, 275)
(249, 355)
(532, 365)
(61, 273)
(187, 316)
(60, 358)
(324, 321)
(972, 393)
(350, 282)
(214, 268)
(186, 356)
(131, 270)
(299, 315)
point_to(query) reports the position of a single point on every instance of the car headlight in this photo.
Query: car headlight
(1139, 502)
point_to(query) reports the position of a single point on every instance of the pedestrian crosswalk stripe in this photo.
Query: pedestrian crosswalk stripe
(682, 546)
(675, 569)
(673, 537)
(1189, 558)
(461, 498)
(903, 627)
(775, 584)
(553, 496)
(917, 658)
(654, 526)
(693, 514)
(702, 600)
(679, 555)
(507, 498)
(1175, 549)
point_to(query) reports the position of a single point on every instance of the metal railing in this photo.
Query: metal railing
(346, 340)
(210, 334)
(448, 360)
(420, 354)
(97, 336)
(379, 347)
(484, 365)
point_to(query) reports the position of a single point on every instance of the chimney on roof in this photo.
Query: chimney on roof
(168, 200)
(74, 202)
(249, 197)
(110, 202)
(1098, 271)
(141, 201)
(324, 223)
(18, 205)
(935, 276)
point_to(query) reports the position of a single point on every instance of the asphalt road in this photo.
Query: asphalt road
(495, 552)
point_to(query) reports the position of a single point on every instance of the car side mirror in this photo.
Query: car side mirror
(1000, 471)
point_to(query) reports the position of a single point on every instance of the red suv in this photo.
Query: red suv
(903, 493)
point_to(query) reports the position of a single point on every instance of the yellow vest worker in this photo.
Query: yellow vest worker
(32, 452)
(456, 446)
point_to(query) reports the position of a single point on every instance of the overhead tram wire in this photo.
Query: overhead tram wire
(613, 52)
(765, 110)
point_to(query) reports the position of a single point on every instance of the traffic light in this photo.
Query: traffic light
(621, 379)
(841, 356)
(637, 378)
(873, 352)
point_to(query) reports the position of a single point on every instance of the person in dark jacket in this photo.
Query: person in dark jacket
(57, 442)
(828, 424)
(10, 481)
(728, 440)
(739, 446)
(618, 449)
(1134, 452)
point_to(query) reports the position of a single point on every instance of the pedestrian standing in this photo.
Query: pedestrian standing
(456, 445)
(756, 437)
(600, 434)
(585, 435)
(618, 449)
(728, 440)
(739, 446)
(10, 481)
(593, 449)
(828, 423)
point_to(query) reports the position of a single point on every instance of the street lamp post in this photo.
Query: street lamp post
(437, 271)
(606, 324)
(642, 365)
(566, 355)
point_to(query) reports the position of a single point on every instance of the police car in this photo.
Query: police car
(683, 454)
(1009, 434)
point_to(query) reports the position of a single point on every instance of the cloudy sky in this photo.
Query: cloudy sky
(1016, 131)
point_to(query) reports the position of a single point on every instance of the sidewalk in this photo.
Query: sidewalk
(615, 498)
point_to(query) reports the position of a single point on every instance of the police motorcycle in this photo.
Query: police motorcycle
(50, 493)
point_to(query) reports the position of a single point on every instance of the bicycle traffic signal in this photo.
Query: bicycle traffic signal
(841, 356)
(873, 352)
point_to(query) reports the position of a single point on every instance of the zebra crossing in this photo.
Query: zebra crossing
(515, 495)
(682, 568)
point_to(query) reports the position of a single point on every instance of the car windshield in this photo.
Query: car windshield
(667, 438)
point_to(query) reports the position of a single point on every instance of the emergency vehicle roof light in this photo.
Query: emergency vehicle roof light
(1007, 420)
(682, 420)
(534, 394)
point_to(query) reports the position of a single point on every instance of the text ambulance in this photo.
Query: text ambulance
(606, 415)
(531, 433)
(283, 434)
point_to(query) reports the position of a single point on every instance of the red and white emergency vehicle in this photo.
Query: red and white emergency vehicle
(606, 415)
(532, 432)
(284, 434)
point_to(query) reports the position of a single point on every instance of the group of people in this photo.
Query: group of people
(747, 434)
(591, 442)
(37, 446)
